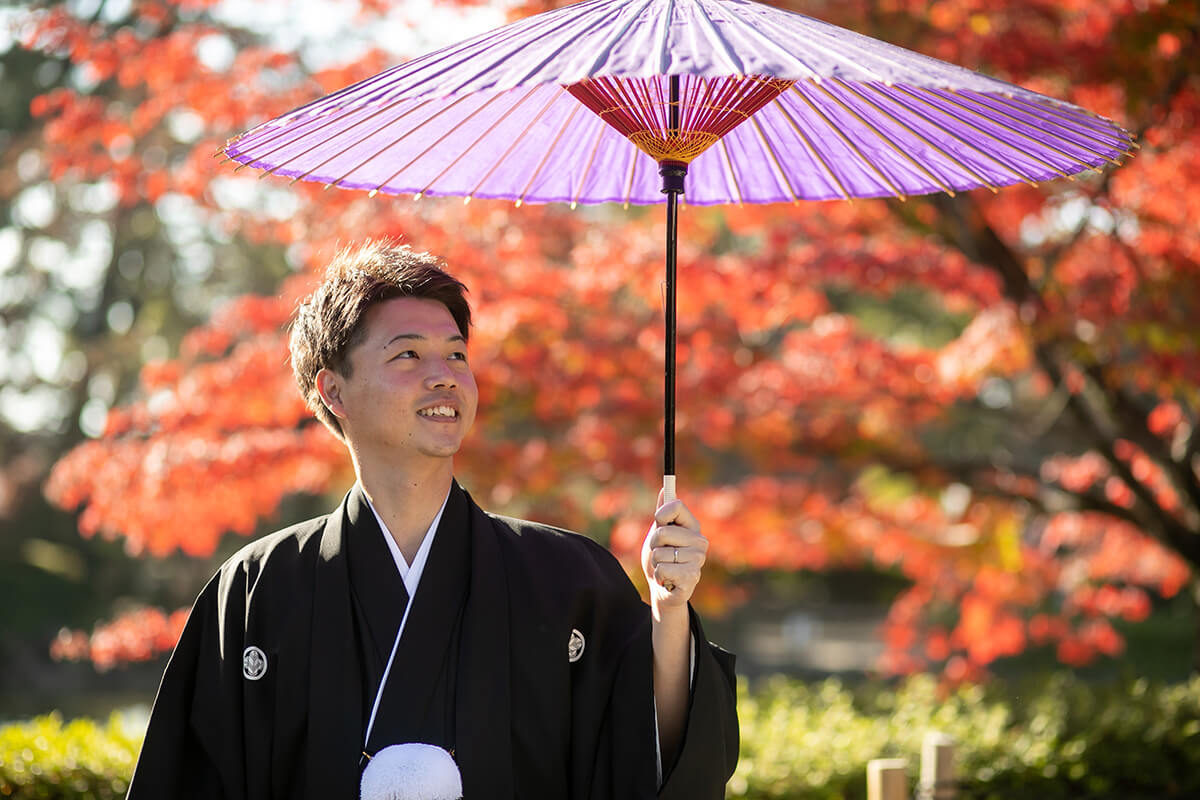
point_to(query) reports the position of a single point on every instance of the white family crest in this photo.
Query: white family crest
(575, 646)
(254, 663)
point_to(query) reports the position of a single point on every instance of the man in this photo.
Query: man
(409, 615)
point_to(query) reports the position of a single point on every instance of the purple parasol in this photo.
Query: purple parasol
(728, 101)
(489, 117)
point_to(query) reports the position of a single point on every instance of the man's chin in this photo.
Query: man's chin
(447, 450)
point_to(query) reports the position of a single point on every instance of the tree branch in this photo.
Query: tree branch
(980, 476)
(966, 227)
(1133, 422)
(1151, 515)
(1192, 450)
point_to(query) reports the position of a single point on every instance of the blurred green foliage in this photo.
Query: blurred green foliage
(46, 758)
(1058, 737)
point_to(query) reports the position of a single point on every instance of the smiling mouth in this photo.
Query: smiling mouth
(439, 412)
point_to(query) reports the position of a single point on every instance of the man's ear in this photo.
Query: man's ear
(329, 387)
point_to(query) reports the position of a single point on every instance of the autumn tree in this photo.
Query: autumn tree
(89, 288)
(994, 395)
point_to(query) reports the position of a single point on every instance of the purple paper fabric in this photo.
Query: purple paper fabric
(489, 118)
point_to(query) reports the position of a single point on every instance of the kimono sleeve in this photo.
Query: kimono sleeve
(709, 752)
(626, 752)
(193, 746)
(625, 749)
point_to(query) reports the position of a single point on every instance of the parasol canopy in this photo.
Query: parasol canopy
(774, 106)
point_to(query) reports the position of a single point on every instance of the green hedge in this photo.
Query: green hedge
(81, 759)
(1058, 739)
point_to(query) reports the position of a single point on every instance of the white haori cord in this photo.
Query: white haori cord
(409, 771)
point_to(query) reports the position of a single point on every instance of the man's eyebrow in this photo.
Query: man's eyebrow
(421, 337)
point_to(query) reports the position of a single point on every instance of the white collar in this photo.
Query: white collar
(411, 575)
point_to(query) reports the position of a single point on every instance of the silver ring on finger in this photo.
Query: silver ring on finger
(675, 560)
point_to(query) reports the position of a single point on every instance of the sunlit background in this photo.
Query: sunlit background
(971, 511)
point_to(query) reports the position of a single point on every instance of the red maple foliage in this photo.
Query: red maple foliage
(810, 436)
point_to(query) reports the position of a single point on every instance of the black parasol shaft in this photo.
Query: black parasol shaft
(673, 173)
(669, 366)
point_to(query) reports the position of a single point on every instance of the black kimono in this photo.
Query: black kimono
(268, 692)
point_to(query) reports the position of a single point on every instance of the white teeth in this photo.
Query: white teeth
(438, 411)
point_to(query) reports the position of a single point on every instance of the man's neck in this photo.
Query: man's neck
(406, 497)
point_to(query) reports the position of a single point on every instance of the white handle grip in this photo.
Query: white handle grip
(668, 488)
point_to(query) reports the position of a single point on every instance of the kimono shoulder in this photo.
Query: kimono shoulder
(275, 555)
(567, 558)
(204, 737)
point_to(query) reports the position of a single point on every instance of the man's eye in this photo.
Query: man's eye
(459, 355)
(406, 354)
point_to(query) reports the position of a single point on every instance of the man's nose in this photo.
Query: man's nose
(441, 376)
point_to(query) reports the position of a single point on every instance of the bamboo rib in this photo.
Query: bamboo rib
(737, 189)
(632, 169)
(723, 97)
(704, 96)
(358, 141)
(1083, 121)
(508, 112)
(588, 167)
(647, 112)
(287, 129)
(336, 133)
(617, 96)
(710, 95)
(695, 88)
(1120, 141)
(849, 144)
(1084, 118)
(895, 148)
(1021, 134)
(965, 142)
(988, 134)
(545, 157)
(316, 110)
(377, 153)
(812, 150)
(918, 135)
(434, 144)
(774, 158)
(1047, 131)
(326, 124)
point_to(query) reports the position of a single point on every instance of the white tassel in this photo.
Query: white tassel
(411, 771)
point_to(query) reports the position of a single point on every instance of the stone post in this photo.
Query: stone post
(887, 779)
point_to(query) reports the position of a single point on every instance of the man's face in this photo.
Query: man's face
(410, 388)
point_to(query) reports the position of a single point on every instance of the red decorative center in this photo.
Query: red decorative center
(709, 108)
